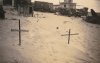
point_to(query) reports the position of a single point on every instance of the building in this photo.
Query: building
(67, 8)
(24, 7)
(43, 6)
(68, 4)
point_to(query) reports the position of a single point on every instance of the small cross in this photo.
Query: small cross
(19, 30)
(37, 15)
(69, 34)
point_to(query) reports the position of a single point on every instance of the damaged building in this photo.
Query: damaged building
(68, 4)
(67, 7)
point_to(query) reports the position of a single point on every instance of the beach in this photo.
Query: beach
(44, 43)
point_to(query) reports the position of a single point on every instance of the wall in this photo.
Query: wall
(68, 5)
(43, 6)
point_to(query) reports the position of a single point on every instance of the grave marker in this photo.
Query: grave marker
(19, 30)
(69, 34)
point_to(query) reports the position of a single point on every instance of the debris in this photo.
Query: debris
(57, 27)
(94, 18)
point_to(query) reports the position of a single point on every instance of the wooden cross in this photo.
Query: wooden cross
(19, 30)
(69, 34)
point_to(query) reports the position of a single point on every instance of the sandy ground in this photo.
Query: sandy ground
(44, 43)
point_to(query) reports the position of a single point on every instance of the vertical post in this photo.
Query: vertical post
(19, 33)
(69, 36)
(32, 13)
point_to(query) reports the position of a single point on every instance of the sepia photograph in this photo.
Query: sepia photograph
(49, 31)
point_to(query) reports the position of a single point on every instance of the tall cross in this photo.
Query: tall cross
(69, 34)
(19, 30)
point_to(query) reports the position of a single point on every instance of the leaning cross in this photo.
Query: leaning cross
(19, 30)
(69, 34)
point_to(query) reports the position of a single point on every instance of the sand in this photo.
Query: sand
(44, 43)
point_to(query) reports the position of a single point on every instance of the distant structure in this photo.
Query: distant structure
(43, 6)
(68, 4)
(12, 2)
(67, 8)
(24, 7)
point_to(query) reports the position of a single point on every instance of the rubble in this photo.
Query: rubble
(94, 18)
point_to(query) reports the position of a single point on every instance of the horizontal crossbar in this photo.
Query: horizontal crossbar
(70, 34)
(19, 30)
(12, 19)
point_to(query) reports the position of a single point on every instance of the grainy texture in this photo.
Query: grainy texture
(44, 43)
